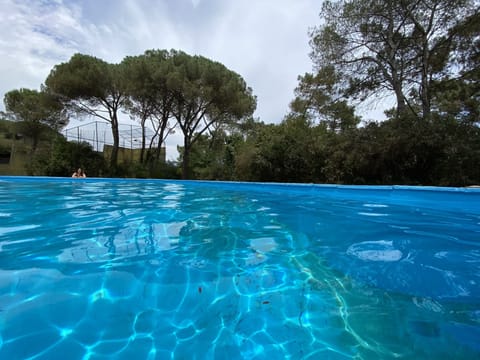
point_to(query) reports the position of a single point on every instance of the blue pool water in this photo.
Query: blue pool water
(140, 269)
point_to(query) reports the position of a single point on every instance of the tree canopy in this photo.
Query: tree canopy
(149, 97)
(398, 48)
(205, 92)
(158, 85)
(34, 111)
(91, 86)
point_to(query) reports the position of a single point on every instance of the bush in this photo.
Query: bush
(65, 157)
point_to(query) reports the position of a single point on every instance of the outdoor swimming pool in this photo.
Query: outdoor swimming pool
(141, 269)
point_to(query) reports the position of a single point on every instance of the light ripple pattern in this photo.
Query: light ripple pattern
(154, 269)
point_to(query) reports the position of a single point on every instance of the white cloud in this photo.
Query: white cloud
(36, 35)
(265, 41)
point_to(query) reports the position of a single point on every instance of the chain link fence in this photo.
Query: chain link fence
(98, 134)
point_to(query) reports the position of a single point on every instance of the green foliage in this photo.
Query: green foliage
(64, 157)
(392, 48)
(364, 48)
(206, 93)
(425, 55)
(408, 150)
(315, 100)
(83, 77)
(88, 85)
(7, 128)
(213, 156)
(35, 113)
(458, 94)
(150, 99)
(167, 170)
(289, 152)
(157, 86)
(160, 170)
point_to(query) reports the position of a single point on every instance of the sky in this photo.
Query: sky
(265, 41)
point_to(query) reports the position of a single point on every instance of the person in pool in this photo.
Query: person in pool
(79, 174)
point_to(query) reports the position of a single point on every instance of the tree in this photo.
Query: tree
(457, 92)
(149, 98)
(91, 86)
(35, 112)
(318, 99)
(292, 151)
(205, 93)
(388, 47)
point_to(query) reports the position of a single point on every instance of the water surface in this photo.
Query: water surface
(141, 269)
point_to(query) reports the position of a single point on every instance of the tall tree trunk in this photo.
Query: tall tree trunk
(161, 135)
(116, 141)
(186, 159)
(142, 151)
(159, 147)
(401, 106)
